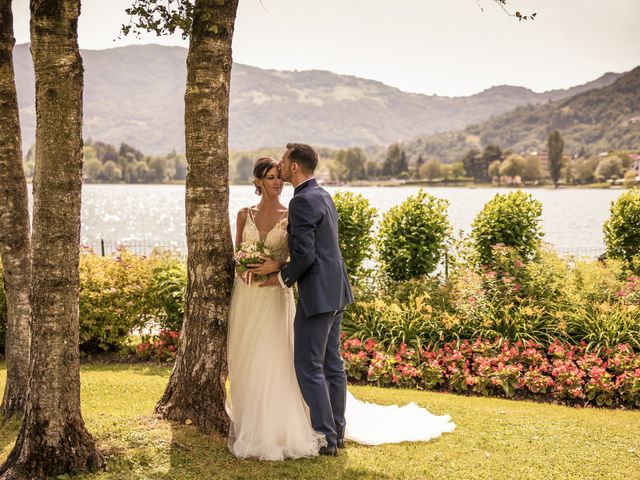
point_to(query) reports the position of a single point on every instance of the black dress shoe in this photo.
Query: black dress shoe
(328, 451)
(340, 443)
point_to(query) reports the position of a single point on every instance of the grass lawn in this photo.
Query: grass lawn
(494, 439)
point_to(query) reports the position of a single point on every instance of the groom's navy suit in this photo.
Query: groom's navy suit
(323, 293)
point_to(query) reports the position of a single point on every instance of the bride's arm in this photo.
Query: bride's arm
(241, 221)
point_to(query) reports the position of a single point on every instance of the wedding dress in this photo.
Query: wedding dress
(269, 418)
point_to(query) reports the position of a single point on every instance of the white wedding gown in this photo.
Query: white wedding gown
(269, 418)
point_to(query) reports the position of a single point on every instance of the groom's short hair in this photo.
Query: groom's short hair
(304, 155)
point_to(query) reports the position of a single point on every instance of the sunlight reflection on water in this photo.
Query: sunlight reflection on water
(572, 218)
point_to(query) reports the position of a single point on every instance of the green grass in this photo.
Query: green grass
(494, 439)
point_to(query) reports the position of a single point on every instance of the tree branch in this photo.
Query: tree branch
(503, 4)
(171, 15)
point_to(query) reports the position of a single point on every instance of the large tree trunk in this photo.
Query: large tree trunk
(53, 439)
(196, 389)
(15, 241)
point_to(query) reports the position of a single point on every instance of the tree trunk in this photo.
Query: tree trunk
(15, 241)
(196, 389)
(53, 439)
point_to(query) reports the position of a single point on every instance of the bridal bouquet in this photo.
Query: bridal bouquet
(249, 253)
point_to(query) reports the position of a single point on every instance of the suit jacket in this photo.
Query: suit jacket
(315, 263)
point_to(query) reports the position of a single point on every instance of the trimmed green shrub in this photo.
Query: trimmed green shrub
(356, 218)
(412, 237)
(622, 229)
(512, 220)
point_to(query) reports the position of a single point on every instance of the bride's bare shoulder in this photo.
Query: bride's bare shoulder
(242, 215)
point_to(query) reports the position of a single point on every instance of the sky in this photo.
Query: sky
(443, 47)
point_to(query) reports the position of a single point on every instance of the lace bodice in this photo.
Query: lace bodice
(276, 239)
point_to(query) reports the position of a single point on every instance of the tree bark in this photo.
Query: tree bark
(15, 240)
(53, 439)
(196, 389)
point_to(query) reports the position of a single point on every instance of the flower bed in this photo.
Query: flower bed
(162, 347)
(524, 369)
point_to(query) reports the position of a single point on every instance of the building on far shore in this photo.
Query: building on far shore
(543, 156)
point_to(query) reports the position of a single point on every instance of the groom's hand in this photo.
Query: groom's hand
(271, 281)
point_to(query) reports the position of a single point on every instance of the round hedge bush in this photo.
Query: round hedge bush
(412, 237)
(622, 229)
(356, 217)
(512, 220)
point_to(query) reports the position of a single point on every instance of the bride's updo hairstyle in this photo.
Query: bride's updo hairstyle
(261, 168)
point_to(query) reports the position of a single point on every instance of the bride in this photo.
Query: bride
(269, 417)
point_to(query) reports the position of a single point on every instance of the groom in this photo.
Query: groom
(323, 293)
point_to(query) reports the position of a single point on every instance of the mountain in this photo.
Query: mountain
(135, 94)
(596, 120)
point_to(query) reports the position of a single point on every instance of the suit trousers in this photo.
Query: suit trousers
(320, 371)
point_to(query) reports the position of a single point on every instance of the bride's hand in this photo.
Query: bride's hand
(246, 276)
(265, 268)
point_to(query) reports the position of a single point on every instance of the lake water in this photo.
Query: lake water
(154, 214)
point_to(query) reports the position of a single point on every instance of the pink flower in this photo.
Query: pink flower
(369, 344)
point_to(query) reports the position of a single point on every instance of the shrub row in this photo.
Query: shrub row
(542, 300)
(124, 292)
(414, 235)
(121, 293)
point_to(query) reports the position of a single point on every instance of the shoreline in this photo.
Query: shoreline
(396, 184)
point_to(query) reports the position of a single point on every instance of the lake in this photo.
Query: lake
(145, 215)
